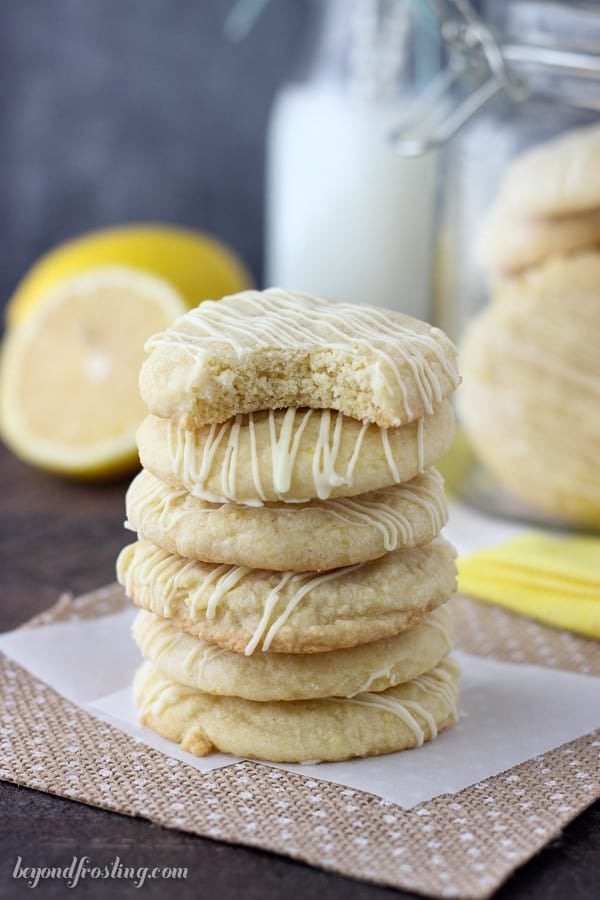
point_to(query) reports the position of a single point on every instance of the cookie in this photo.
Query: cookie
(370, 667)
(246, 609)
(288, 537)
(560, 177)
(276, 349)
(303, 731)
(292, 455)
(531, 394)
(508, 244)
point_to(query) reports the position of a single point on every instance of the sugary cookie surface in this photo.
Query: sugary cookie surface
(277, 349)
(313, 536)
(247, 610)
(372, 667)
(305, 731)
(291, 455)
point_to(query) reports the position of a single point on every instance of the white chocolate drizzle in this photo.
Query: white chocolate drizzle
(201, 655)
(151, 568)
(440, 620)
(403, 709)
(363, 511)
(373, 677)
(304, 582)
(156, 500)
(396, 529)
(193, 461)
(437, 683)
(158, 638)
(279, 320)
(166, 695)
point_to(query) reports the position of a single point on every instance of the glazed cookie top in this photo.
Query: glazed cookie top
(247, 609)
(319, 535)
(276, 349)
(556, 178)
(305, 731)
(291, 455)
(294, 676)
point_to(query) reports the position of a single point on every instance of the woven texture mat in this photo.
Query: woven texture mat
(457, 845)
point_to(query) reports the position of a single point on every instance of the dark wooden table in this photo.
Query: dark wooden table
(56, 536)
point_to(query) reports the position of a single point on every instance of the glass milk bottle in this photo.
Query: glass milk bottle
(346, 217)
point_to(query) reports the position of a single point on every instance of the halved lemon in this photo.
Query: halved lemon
(198, 266)
(69, 399)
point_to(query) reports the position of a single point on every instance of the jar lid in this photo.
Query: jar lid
(544, 48)
(563, 26)
(556, 47)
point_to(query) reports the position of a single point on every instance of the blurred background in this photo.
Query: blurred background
(114, 112)
(275, 139)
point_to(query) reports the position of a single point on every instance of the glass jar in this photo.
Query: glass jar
(554, 49)
(517, 284)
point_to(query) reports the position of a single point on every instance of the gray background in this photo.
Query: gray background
(114, 111)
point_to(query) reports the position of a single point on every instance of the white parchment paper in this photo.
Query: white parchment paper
(509, 712)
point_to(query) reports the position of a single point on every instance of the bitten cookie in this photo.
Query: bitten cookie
(277, 349)
(246, 609)
(300, 537)
(300, 730)
(294, 676)
(292, 455)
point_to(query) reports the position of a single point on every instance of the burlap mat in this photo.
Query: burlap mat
(458, 845)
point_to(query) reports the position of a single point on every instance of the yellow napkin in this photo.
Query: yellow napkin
(554, 580)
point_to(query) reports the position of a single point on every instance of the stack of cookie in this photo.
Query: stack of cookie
(530, 360)
(548, 205)
(289, 567)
